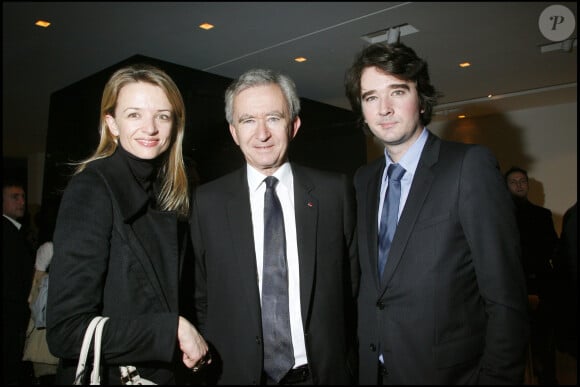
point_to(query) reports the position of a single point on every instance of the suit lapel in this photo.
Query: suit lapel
(420, 188)
(240, 228)
(130, 199)
(160, 272)
(372, 190)
(306, 209)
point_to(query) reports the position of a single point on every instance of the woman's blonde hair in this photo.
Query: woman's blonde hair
(174, 192)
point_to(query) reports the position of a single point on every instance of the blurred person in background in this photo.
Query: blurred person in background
(538, 242)
(17, 273)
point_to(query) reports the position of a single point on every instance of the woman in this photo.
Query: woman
(121, 237)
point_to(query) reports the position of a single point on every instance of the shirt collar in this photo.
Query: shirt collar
(256, 178)
(411, 158)
(14, 221)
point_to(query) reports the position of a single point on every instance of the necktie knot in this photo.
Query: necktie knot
(395, 172)
(271, 182)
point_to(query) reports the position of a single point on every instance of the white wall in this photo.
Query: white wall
(542, 140)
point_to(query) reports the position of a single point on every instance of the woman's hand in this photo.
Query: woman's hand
(193, 345)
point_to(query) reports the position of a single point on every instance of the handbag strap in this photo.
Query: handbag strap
(129, 374)
(88, 338)
(82, 363)
(95, 374)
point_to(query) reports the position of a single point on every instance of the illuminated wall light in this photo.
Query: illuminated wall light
(42, 23)
(461, 116)
(206, 26)
(464, 64)
(489, 95)
(300, 59)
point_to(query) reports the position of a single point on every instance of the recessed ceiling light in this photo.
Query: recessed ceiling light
(206, 26)
(300, 59)
(461, 116)
(42, 23)
(464, 64)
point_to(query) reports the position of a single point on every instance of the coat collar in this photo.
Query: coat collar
(131, 197)
(131, 201)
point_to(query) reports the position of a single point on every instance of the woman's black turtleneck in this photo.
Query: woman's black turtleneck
(144, 170)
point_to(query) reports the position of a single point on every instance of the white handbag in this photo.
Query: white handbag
(129, 374)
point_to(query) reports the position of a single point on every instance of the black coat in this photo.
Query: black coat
(539, 240)
(17, 273)
(117, 257)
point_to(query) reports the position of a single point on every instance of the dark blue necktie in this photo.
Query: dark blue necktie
(389, 214)
(278, 350)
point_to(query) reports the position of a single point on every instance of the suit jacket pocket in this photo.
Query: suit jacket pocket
(458, 351)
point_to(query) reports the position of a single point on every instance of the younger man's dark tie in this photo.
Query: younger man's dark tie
(389, 214)
(278, 350)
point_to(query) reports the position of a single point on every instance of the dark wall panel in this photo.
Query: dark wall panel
(328, 138)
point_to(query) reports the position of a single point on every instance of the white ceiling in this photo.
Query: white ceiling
(501, 39)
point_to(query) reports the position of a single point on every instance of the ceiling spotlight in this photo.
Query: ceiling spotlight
(389, 35)
(42, 23)
(206, 26)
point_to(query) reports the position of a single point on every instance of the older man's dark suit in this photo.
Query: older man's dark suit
(451, 307)
(228, 299)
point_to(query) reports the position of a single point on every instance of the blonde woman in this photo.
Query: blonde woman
(121, 237)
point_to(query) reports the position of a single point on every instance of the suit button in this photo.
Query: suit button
(383, 370)
(258, 340)
(373, 347)
(380, 305)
